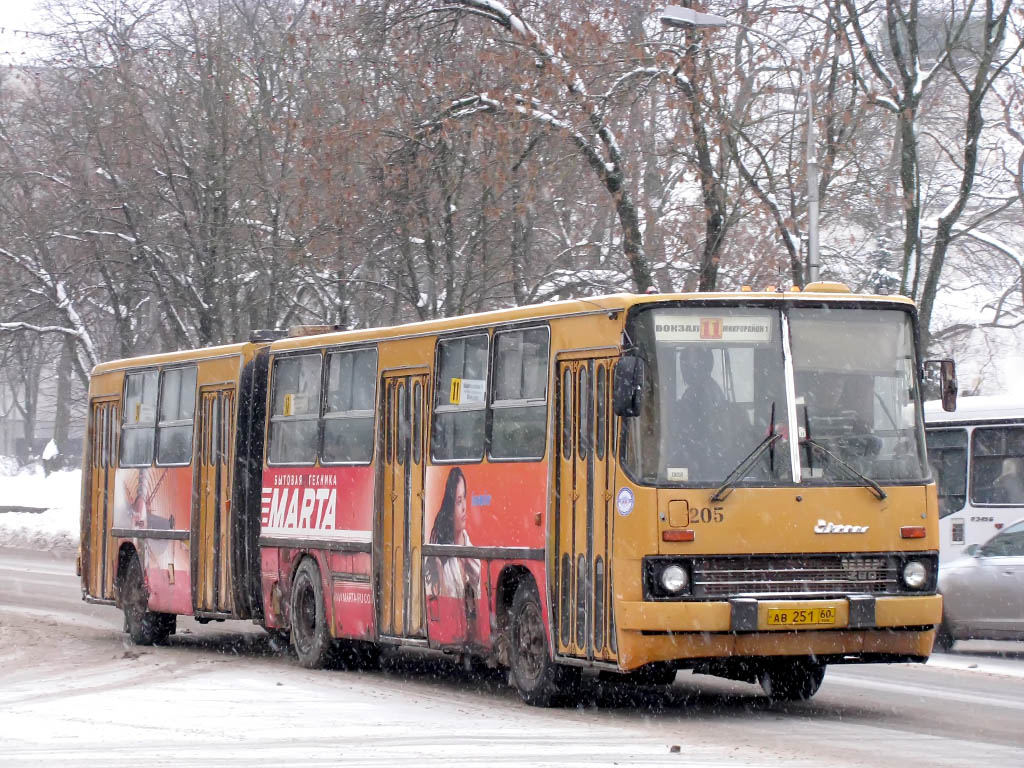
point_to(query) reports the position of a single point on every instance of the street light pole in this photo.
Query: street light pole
(813, 263)
(677, 16)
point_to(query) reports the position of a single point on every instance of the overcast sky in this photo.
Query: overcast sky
(15, 15)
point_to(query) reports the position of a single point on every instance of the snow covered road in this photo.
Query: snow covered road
(73, 692)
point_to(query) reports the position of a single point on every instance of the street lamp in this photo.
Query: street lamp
(677, 16)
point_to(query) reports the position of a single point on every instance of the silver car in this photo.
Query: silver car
(983, 591)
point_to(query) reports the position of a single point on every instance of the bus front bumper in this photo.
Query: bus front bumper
(858, 625)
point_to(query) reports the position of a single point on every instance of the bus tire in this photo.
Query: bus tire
(796, 680)
(144, 627)
(310, 634)
(540, 681)
(943, 638)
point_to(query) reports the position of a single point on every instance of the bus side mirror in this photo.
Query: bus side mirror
(947, 382)
(627, 386)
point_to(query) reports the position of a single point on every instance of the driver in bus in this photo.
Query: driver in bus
(702, 392)
(702, 416)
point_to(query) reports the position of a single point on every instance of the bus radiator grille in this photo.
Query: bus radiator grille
(826, 575)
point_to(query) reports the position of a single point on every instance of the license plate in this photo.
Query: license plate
(801, 617)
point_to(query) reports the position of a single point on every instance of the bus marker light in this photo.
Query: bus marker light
(536, 518)
(684, 535)
(912, 532)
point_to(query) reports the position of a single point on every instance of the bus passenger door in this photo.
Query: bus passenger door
(582, 594)
(398, 534)
(211, 553)
(98, 568)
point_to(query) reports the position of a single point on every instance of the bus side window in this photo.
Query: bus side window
(417, 423)
(519, 392)
(100, 449)
(601, 419)
(348, 415)
(460, 399)
(177, 409)
(586, 417)
(295, 409)
(997, 465)
(947, 452)
(139, 427)
(567, 414)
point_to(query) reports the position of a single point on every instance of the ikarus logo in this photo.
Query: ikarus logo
(824, 526)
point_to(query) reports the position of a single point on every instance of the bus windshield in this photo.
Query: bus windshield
(855, 380)
(716, 395)
(714, 390)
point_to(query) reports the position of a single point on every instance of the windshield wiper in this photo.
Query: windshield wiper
(741, 469)
(870, 484)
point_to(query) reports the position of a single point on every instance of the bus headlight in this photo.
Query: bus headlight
(915, 574)
(666, 578)
(674, 579)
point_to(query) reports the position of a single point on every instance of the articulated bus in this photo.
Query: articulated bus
(977, 456)
(627, 486)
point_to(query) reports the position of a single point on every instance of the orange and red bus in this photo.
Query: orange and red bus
(633, 484)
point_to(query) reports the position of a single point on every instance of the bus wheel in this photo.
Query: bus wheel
(310, 635)
(145, 627)
(539, 680)
(943, 638)
(792, 680)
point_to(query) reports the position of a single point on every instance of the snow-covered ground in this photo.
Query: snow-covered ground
(58, 494)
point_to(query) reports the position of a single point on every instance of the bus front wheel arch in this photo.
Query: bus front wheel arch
(508, 583)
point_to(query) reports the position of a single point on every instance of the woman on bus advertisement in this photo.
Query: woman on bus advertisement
(453, 583)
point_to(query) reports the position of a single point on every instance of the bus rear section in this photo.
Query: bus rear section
(164, 529)
(977, 458)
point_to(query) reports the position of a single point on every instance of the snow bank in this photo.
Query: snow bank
(56, 528)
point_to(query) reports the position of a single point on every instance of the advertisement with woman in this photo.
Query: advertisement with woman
(469, 510)
(452, 582)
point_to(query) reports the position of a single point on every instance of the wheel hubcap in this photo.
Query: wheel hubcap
(530, 641)
(305, 620)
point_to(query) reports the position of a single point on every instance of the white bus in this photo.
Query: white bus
(977, 457)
